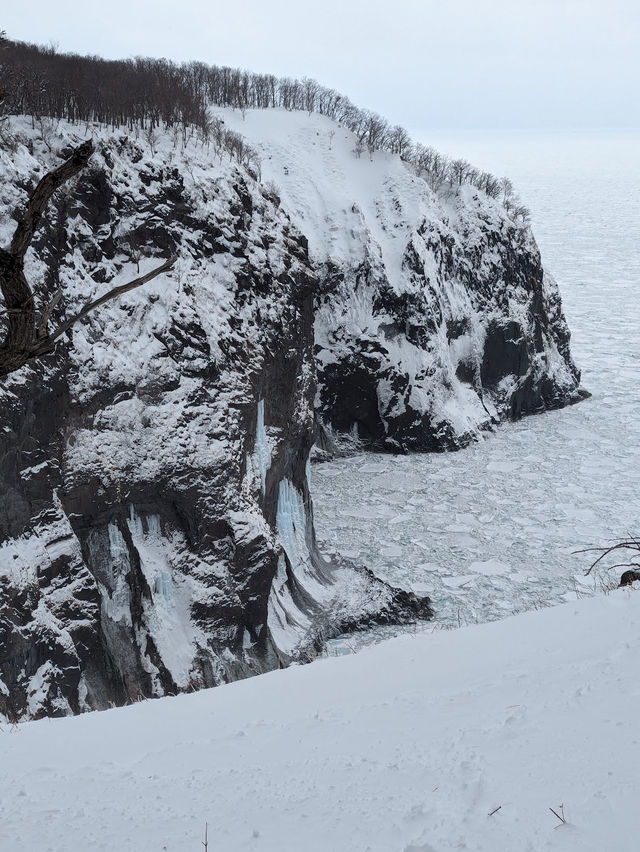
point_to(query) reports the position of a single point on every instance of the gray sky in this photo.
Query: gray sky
(457, 65)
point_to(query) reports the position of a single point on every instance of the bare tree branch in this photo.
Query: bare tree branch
(46, 314)
(632, 544)
(113, 294)
(18, 297)
(42, 194)
(25, 340)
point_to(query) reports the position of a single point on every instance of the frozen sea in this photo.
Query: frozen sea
(492, 529)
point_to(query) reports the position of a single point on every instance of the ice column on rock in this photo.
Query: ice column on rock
(262, 450)
(291, 523)
(287, 622)
(116, 602)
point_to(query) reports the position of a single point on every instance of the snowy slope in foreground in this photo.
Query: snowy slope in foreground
(407, 746)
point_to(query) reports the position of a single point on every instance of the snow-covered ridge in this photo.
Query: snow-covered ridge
(434, 318)
(177, 96)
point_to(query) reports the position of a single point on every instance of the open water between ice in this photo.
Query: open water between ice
(492, 529)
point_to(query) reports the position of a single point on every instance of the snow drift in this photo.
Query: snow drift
(443, 741)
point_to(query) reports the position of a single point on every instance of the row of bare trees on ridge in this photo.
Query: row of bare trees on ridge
(145, 95)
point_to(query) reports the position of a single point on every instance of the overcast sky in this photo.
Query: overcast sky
(449, 65)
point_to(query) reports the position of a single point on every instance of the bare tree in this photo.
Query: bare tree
(375, 132)
(507, 190)
(399, 141)
(151, 95)
(28, 335)
(311, 90)
(630, 545)
(458, 170)
(358, 148)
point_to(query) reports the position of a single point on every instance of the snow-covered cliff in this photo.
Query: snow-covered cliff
(434, 317)
(156, 531)
(156, 528)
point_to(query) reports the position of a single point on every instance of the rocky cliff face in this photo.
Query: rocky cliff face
(156, 530)
(467, 332)
(434, 317)
(156, 527)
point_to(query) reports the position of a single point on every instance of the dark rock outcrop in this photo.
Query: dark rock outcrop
(465, 331)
